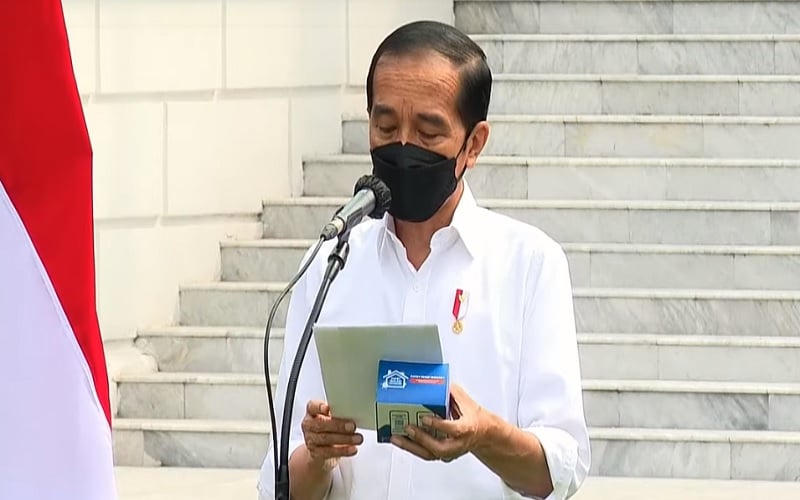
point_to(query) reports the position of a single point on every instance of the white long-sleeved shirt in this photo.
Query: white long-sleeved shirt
(517, 355)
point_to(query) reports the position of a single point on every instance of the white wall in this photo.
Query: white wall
(200, 109)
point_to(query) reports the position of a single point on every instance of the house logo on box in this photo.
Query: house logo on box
(395, 379)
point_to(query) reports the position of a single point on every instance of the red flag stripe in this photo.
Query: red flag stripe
(46, 164)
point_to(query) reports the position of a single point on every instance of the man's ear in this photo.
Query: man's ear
(477, 142)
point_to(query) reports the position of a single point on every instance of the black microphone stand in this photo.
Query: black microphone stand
(336, 261)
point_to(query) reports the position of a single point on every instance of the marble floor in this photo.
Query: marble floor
(137, 483)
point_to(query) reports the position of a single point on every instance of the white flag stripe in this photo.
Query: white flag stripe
(55, 442)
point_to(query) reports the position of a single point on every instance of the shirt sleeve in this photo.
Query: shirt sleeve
(550, 394)
(309, 385)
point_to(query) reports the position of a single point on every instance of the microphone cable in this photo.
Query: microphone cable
(273, 311)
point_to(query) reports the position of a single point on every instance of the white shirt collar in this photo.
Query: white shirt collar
(464, 224)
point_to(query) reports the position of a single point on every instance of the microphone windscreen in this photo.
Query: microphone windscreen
(383, 196)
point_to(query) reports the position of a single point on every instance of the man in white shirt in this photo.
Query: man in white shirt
(499, 291)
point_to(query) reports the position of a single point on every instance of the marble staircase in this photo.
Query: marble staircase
(657, 140)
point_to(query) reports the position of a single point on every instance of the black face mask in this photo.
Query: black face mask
(420, 180)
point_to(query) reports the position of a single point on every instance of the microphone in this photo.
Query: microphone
(371, 197)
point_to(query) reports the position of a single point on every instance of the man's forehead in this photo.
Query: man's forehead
(430, 116)
(424, 79)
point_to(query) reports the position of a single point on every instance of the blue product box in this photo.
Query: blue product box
(406, 392)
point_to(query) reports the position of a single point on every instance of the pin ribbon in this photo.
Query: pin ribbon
(459, 310)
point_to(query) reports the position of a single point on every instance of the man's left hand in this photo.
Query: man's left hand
(463, 434)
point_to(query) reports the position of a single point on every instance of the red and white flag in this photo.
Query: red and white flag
(55, 418)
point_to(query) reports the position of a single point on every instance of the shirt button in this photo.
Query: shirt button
(416, 286)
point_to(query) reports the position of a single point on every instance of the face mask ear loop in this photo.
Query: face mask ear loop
(464, 170)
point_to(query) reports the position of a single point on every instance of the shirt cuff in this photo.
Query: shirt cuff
(561, 453)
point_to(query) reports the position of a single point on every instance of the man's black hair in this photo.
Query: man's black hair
(475, 82)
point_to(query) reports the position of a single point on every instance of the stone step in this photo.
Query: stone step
(231, 303)
(237, 444)
(692, 405)
(600, 310)
(729, 54)
(608, 403)
(693, 312)
(185, 483)
(615, 452)
(262, 260)
(738, 95)
(653, 357)
(540, 178)
(615, 16)
(593, 221)
(591, 264)
(176, 395)
(757, 455)
(624, 136)
(690, 357)
(211, 349)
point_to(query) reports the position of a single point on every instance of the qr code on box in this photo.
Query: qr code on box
(399, 421)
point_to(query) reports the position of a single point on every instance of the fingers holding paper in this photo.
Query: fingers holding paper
(462, 434)
(327, 437)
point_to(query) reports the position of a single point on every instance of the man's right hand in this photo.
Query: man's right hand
(327, 439)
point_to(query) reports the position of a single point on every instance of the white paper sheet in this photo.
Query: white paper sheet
(349, 358)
